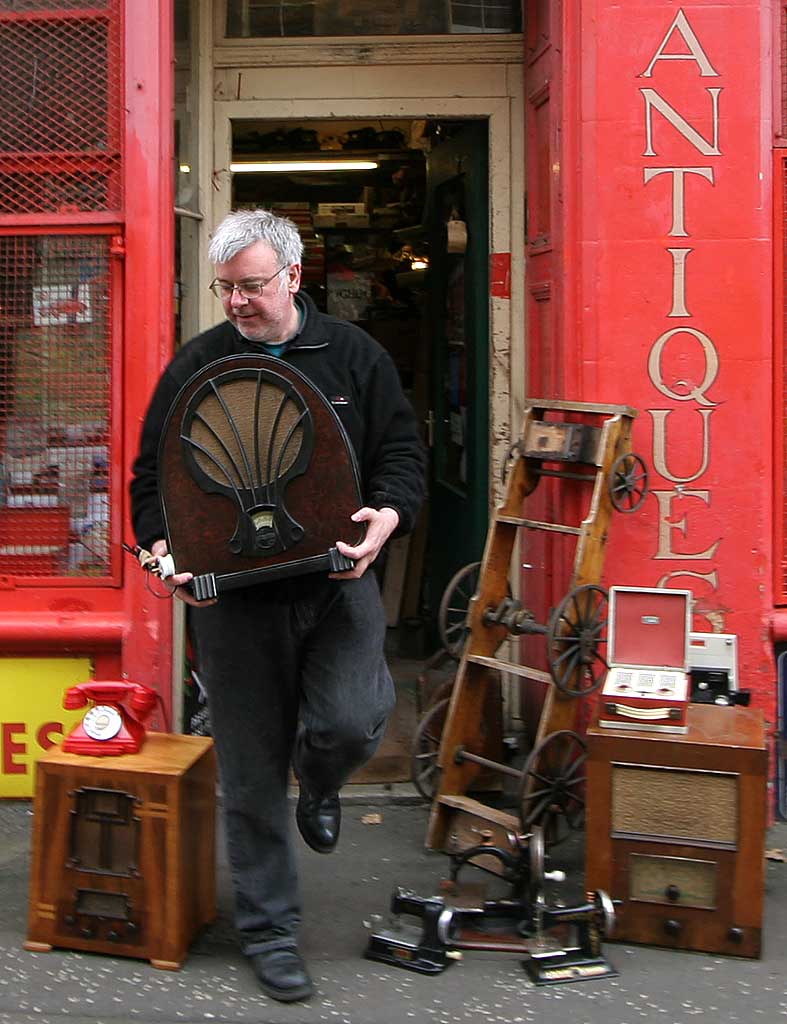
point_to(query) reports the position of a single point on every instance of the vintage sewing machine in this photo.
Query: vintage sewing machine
(560, 943)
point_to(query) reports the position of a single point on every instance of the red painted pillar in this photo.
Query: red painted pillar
(149, 277)
(670, 242)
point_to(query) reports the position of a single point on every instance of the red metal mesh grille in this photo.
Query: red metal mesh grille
(59, 106)
(55, 356)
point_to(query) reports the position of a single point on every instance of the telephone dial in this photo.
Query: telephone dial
(114, 724)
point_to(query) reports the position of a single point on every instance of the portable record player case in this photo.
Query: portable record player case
(647, 687)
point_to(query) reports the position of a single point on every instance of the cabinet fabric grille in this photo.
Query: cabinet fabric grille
(664, 803)
(55, 405)
(694, 881)
(60, 106)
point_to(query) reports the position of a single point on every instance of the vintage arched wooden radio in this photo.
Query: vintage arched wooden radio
(257, 477)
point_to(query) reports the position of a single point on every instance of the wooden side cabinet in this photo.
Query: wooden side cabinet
(124, 850)
(676, 830)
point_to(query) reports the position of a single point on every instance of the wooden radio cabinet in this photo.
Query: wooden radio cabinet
(676, 830)
(124, 850)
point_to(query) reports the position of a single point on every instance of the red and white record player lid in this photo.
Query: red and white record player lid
(649, 626)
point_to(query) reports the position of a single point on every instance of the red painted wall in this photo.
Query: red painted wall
(670, 246)
(116, 622)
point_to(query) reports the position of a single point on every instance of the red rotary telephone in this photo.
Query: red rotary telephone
(110, 726)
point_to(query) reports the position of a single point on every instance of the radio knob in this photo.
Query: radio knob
(70, 919)
(735, 934)
(672, 892)
(672, 927)
(87, 933)
(113, 936)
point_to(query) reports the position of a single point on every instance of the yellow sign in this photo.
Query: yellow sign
(32, 716)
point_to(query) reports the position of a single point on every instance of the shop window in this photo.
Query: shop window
(59, 107)
(270, 18)
(55, 403)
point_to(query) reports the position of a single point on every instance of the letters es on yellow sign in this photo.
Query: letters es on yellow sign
(32, 717)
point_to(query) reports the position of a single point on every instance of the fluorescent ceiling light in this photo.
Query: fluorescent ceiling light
(282, 166)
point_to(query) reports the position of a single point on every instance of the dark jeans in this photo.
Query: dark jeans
(308, 650)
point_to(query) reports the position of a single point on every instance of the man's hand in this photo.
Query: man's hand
(175, 584)
(381, 523)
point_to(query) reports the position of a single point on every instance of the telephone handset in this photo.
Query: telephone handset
(115, 722)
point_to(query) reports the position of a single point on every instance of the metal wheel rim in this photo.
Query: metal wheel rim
(548, 804)
(606, 910)
(535, 851)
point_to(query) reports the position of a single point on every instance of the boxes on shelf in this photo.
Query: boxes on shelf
(349, 295)
(340, 209)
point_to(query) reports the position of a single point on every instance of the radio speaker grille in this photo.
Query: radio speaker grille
(263, 434)
(666, 803)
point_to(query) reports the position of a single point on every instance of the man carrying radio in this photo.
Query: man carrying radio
(294, 669)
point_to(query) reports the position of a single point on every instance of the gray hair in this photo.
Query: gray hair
(243, 228)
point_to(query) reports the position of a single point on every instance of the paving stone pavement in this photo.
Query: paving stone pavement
(343, 891)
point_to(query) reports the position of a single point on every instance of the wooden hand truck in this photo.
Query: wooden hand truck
(585, 442)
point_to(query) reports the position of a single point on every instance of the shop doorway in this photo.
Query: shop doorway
(393, 214)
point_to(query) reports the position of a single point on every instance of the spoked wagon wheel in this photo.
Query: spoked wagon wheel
(454, 608)
(576, 641)
(424, 769)
(628, 482)
(552, 789)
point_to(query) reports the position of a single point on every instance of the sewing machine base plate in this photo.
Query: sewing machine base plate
(557, 970)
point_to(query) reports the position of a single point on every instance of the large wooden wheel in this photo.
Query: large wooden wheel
(552, 788)
(424, 769)
(454, 608)
(576, 641)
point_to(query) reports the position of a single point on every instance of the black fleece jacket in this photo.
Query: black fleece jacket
(355, 374)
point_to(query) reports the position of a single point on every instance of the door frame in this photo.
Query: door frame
(505, 116)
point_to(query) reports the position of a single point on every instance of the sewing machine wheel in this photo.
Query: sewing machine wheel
(552, 788)
(424, 770)
(605, 911)
(575, 637)
(454, 606)
(628, 482)
(535, 851)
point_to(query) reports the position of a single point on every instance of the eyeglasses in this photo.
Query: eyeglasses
(246, 289)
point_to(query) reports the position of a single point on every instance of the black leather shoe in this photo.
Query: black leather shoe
(282, 974)
(319, 819)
